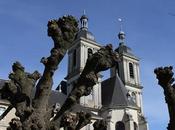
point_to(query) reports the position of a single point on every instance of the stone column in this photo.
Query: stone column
(129, 125)
(129, 122)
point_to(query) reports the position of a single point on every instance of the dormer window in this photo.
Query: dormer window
(131, 70)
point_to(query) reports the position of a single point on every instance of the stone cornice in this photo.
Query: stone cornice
(134, 85)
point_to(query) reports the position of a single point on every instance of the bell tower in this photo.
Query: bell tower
(84, 46)
(128, 71)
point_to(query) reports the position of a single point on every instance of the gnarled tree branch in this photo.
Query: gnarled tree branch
(18, 90)
(102, 60)
(62, 32)
(34, 114)
(165, 80)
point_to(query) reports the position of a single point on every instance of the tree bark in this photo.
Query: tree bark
(102, 60)
(165, 80)
(33, 114)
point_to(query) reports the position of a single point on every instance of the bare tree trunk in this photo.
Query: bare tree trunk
(102, 60)
(34, 114)
(165, 80)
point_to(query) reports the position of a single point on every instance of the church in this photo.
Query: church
(118, 99)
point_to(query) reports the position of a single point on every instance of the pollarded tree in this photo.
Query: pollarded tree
(165, 80)
(33, 112)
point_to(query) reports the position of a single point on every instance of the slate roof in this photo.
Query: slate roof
(123, 49)
(85, 34)
(57, 97)
(114, 94)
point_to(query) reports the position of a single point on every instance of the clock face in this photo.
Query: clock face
(2, 109)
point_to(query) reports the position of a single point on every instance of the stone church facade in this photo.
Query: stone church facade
(117, 99)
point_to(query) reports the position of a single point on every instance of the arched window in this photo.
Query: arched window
(135, 126)
(131, 70)
(133, 97)
(83, 24)
(90, 52)
(74, 58)
(119, 126)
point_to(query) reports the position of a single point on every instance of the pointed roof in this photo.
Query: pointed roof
(124, 49)
(114, 94)
(85, 34)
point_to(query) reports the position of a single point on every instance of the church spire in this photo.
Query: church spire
(84, 21)
(121, 34)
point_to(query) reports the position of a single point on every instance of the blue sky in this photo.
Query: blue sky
(148, 24)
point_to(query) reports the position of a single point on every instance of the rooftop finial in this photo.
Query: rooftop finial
(120, 21)
(84, 12)
(84, 21)
(121, 34)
